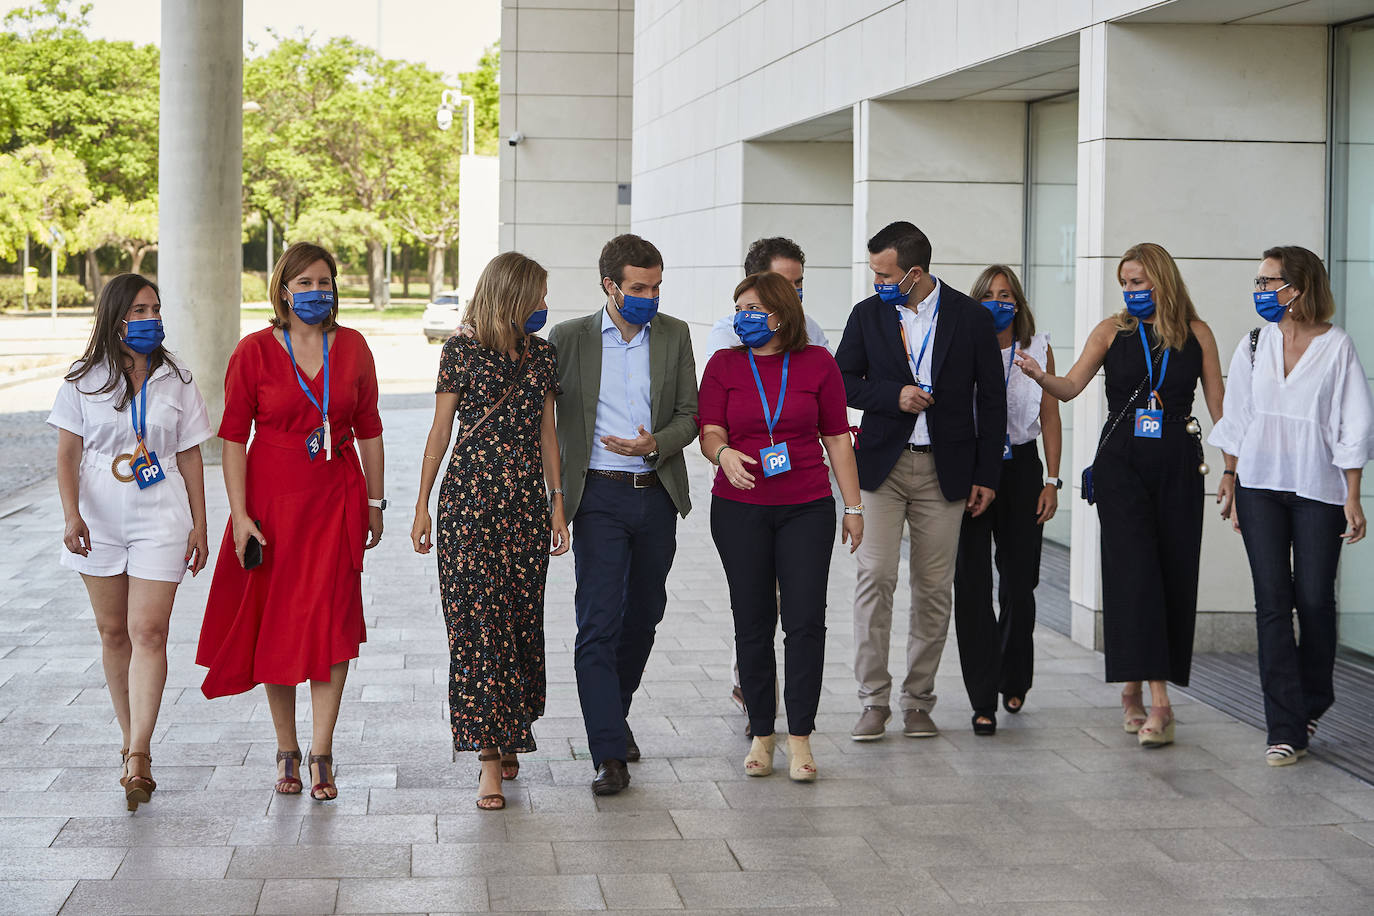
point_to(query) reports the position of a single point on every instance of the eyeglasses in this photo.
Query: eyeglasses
(1262, 282)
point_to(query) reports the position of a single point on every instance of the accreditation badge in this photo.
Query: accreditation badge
(1149, 424)
(775, 459)
(146, 469)
(314, 443)
(1006, 447)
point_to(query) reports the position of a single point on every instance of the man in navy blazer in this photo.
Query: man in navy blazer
(921, 361)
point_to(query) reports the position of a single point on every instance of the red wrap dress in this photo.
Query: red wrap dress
(301, 611)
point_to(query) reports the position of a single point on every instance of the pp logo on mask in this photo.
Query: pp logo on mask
(1149, 424)
(147, 471)
(775, 460)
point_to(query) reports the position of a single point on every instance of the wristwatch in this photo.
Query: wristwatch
(652, 456)
(1055, 482)
(378, 503)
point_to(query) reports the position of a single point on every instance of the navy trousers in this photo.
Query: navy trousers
(624, 540)
(1294, 545)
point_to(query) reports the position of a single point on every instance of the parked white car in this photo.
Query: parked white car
(442, 316)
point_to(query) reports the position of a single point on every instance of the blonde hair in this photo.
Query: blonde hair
(293, 261)
(1174, 310)
(1023, 325)
(509, 291)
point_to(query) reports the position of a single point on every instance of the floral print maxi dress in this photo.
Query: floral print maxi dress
(493, 539)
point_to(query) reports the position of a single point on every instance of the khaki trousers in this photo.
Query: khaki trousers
(910, 494)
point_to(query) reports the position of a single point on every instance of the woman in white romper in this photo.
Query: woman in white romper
(130, 423)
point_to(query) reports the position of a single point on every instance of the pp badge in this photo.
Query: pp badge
(1149, 424)
(146, 469)
(314, 443)
(775, 459)
(1006, 448)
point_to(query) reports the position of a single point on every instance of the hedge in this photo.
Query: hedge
(254, 288)
(70, 293)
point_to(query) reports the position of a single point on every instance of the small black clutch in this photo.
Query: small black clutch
(252, 551)
(1086, 490)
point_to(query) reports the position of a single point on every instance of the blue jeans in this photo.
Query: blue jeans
(1294, 545)
(624, 540)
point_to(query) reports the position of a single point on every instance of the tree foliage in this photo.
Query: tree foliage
(132, 228)
(41, 188)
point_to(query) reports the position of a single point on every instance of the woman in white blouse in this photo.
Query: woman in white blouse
(1297, 429)
(130, 422)
(995, 652)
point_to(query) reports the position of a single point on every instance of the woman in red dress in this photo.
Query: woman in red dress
(289, 607)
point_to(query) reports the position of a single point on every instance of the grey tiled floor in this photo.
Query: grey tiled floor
(1059, 813)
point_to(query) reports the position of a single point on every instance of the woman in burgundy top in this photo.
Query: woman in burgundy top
(766, 409)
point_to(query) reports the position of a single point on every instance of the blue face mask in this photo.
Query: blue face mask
(313, 305)
(144, 336)
(536, 321)
(1268, 305)
(799, 294)
(1002, 313)
(891, 293)
(1140, 302)
(753, 329)
(637, 309)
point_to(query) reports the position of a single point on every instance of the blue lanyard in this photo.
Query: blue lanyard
(772, 421)
(1150, 367)
(906, 344)
(300, 379)
(138, 412)
(1010, 356)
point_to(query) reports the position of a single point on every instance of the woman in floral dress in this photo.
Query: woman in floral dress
(497, 523)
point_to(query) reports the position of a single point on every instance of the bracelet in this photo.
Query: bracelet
(556, 491)
(854, 510)
(718, 454)
(433, 458)
(1230, 472)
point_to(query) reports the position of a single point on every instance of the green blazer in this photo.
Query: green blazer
(672, 395)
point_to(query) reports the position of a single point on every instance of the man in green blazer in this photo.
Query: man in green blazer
(626, 410)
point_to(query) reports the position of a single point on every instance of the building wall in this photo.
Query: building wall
(566, 83)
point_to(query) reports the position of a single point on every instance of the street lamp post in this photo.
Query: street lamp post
(57, 239)
(444, 116)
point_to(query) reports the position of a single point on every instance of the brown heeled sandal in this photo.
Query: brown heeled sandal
(510, 766)
(290, 781)
(123, 767)
(325, 763)
(483, 758)
(138, 789)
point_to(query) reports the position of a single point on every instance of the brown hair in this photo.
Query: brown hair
(625, 251)
(1023, 325)
(293, 261)
(103, 346)
(1174, 310)
(779, 297)
(508, 292)
(1306, 272)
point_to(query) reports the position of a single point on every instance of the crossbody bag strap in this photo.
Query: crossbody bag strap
(1116, 421)
(499, 401)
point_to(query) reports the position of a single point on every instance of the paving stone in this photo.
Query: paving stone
(1211, 880)
(33, 898)
(358, 861)
(753, 890)
(484, 859)
(1273, 843)
(990, 883)
(1132, 814)
(145, 862)
(640, 892)
(297, 896)
(411, 895)
(545, 892)
(643, 856)
(648, 825)
(278, 830)
(711, 824)
(163, 897)
(29, 831)
(803, 853)
(23, 864)
(374, 829)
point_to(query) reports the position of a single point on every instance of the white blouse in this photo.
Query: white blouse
(177, 419)
(1297, 434)
(1023, 394)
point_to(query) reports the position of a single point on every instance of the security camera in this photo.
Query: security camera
(444, 117)
(516, 138)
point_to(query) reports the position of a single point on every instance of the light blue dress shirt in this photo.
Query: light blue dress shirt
(624, 402)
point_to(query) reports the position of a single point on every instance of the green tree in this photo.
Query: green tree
(132, 228)
(484, 85)
(41, 188)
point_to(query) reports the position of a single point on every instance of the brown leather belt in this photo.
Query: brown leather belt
(638, 481)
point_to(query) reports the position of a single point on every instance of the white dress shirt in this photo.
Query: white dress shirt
(917, 323)
(1023, 394)
(1297, 434)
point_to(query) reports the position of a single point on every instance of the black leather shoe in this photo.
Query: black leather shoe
(631, 749)
(611, 777)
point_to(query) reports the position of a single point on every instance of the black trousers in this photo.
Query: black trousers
(1149, 504)
(995, 652)
(1294, 545)
(777, 558)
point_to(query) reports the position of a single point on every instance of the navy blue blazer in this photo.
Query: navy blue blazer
(968, 374)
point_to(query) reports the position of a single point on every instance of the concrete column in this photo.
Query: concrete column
(955, 169)
(1184, 141)
(200, 165)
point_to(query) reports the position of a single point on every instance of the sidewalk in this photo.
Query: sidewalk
(1060, 813)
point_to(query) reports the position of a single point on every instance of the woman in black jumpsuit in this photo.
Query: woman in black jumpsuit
(1148, 487)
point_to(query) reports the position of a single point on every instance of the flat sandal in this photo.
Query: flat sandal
(483, 758)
